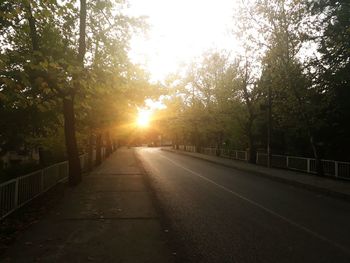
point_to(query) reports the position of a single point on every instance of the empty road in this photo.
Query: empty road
(220, 214)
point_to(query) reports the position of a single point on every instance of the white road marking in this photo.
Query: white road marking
(291, 222)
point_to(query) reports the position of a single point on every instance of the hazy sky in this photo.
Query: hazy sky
(181, 30)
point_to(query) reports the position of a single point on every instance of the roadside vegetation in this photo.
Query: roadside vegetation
(67, 84)
(66, 81)
(288, 84)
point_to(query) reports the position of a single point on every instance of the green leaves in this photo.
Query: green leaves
(41, 77)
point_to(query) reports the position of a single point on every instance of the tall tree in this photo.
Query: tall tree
(43, 53)
(68, 104)
(282, 29)
(331, 33)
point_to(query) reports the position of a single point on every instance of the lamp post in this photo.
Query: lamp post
(269, 126)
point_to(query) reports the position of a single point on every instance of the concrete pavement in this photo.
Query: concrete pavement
(109, 217)
(335, 188)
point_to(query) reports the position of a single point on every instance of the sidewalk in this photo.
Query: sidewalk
(109, 217)
(335, 188)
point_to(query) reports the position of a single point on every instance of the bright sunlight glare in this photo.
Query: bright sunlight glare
(143, 118)
(181, 31)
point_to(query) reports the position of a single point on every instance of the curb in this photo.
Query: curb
(309, 187)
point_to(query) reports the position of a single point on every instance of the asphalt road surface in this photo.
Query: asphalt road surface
(220, 214)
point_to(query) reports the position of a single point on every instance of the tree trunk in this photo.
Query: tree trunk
(108, 144)
(176, 142)
(90, 152)
(196, 139)
(82, 32)
(41, 157)
(305, 118)
(98, 149)
(71, 142)
(32, 27)
(219, 144)
(252, 150)
(68, 108)
(319, 165)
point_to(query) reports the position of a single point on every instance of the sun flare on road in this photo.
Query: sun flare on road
(143, 118)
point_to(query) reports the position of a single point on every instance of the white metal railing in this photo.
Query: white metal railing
(208, 150)
(187, 148)
(19, 191)
(331, 168)
(190, 148)
(227, 153)
(308, 165)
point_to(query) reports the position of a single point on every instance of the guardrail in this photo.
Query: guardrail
(308, 165)
(331, 168)
(234, 154)
(208, 150)
(227, 153)
(17, 192)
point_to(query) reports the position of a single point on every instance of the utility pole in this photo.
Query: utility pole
(269, 126)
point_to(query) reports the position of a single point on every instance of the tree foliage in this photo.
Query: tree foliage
(294, 52)
(65, 63)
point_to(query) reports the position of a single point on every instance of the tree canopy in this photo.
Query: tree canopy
(66, 81)
(293, 65)
(65, 67)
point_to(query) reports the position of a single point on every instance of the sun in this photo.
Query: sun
(143, 118)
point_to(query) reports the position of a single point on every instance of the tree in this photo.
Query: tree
(44, 57)
(331, 75)
(283, 33)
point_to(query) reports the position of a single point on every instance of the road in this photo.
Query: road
(219, 214)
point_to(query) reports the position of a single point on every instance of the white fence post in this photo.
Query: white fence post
(287, 162)
(308, 165)
(336, 169)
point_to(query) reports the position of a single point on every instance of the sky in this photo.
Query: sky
(180, 30)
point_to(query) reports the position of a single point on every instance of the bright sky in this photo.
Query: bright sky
(181, 30)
